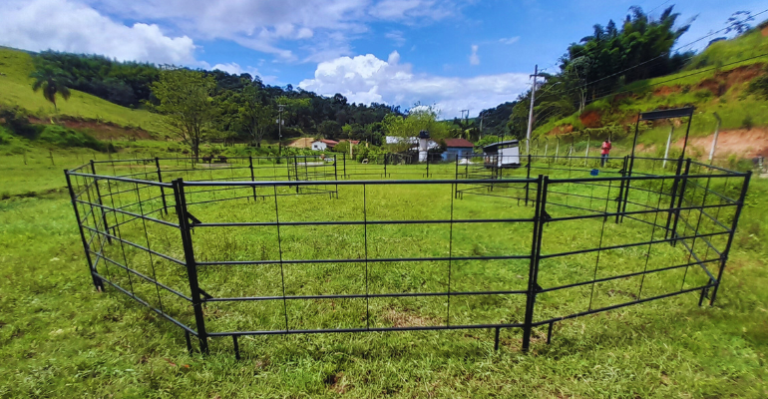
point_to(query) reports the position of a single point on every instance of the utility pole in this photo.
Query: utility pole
(530, 111)
(280, 108)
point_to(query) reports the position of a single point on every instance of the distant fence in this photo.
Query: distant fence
(157, 230)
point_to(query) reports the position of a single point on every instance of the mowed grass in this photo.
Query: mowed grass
(60, 338)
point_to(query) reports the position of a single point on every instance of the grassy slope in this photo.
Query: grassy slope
(16, 89)
(732, 106)
(59, 338)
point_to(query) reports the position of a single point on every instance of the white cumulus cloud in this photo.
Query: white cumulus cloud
(74, 27)
(366, 79)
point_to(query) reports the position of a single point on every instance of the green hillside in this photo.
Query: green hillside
(715, 81)
(16, 89)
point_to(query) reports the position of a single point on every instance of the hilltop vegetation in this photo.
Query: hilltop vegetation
(724, 79)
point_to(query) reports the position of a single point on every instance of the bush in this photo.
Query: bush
(747, 122)
(60, 136)
(11, 144)
(17, 121)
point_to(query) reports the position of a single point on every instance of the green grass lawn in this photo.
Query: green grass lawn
(60, 338)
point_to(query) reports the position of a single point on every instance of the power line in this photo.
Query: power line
(653, 59)
(680, 77)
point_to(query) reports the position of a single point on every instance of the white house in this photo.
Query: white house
(323, 144)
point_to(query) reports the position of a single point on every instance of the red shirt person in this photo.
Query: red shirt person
(606, 150)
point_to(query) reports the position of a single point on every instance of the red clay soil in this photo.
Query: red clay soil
(745, 143)
(590, 119)
(723, 81)
(562, 129)
(667, 90)
(101, 131)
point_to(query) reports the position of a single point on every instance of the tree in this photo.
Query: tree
(254, 116)
(52, 81)
(419, 118)
(739, 25)
(185, 100)
(330, 129)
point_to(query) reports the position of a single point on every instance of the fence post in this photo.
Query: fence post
(673, 194)
(344, 160)
(189, 257)
(724, 255)
(96, 280)
(162, 189)
(101, 204)
(253, 178)
(533, 269)
(680, 200)
(527, 176)
(385, 165)
(427, 164)
(623, 183)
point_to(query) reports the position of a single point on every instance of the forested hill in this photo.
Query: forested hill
(129, 85)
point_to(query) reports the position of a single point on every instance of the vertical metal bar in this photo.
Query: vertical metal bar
(427, 162)
(496, 339)
(450, 262)
(538, 217)
(237, 347)
(344, 160)
(687, 131)
(96, 281)
(680, 201)
(280, 251)
(189, 256)
(365, 232)
(456, 176)
(527, 176)
(549, 333)
(98, 196)
(253, 177)
(336, 174)
(724, 255)
(673, 194)
(385, 164)
(189, 341)
(162, 189)
(623, 172)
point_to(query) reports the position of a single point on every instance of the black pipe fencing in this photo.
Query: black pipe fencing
(160, 231)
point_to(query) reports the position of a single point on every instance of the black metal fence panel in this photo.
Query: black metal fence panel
(315, 244)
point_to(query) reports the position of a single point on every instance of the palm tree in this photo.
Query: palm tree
(52, 82)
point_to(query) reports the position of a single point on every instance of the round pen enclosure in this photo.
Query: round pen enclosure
(253, 246)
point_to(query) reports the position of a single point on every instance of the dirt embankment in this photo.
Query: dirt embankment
(742, 142)
(723, 81)
(101, 131)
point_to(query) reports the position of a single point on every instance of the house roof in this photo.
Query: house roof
(495, 146)
(351, 141)
(458, 143)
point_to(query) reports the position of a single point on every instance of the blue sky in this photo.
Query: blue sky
(456, 54)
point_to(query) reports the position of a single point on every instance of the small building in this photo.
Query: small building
(353, 142)
(457, 149)
(324, 144)
(504, 154)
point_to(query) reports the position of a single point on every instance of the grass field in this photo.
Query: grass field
(60, 338)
